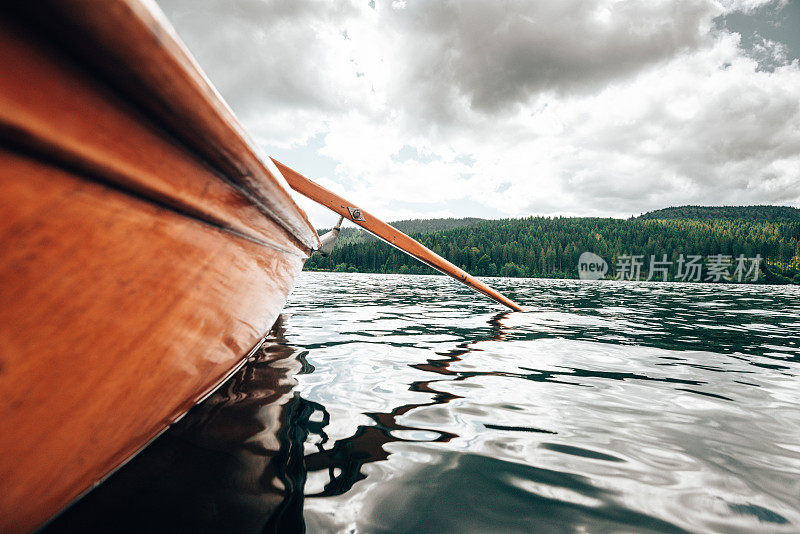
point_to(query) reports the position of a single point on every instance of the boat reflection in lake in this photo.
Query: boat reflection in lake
(225, 466)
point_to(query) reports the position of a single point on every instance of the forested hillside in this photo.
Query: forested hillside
(550, 247)
(741, 213)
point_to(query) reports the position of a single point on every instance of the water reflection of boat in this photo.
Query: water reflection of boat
(222, 467)
(146, 248)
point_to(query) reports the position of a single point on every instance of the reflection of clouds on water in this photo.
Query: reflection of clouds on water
(617, 405)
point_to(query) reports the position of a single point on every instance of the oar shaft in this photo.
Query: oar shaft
(391, 235)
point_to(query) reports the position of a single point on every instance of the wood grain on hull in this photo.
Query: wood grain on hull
(117, 317)
(49, 105)
(138, 266)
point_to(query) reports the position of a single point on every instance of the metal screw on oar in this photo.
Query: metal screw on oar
(328, 240)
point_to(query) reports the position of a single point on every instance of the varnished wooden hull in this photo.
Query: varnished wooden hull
(140, 260)
(118, 316)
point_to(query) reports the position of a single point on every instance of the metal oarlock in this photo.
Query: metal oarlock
(329, 239)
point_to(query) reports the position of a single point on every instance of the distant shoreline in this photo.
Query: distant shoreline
(551, 247)
(761, 282)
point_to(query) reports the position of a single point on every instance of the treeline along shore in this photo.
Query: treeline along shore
(550, 247)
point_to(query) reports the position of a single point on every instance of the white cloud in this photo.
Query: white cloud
(749, 5)
(561, 107)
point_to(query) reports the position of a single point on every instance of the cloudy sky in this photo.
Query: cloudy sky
(438, 108)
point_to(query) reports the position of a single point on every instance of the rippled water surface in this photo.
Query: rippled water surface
(410, 404)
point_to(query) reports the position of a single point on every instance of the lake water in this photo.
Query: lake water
(411, 404)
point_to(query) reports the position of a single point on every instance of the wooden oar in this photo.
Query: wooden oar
(391, 235)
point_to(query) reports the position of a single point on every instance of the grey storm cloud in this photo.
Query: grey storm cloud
(502, 52)
(495, 53)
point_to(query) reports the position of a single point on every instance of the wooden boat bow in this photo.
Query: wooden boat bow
(146, 247)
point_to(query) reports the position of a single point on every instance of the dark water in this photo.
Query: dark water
(409, 404)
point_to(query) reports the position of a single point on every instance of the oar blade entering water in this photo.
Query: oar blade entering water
(387, 233)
